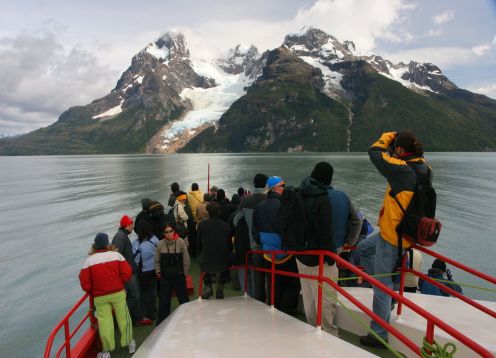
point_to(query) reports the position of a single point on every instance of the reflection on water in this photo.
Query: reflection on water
(51, 208)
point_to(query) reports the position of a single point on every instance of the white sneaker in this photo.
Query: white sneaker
(132, 347)
(103, 355)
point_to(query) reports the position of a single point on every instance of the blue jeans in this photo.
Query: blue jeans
(387, 256)
(366, 252)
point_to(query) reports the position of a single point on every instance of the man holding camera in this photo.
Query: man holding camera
(393, 154)
(437, 272)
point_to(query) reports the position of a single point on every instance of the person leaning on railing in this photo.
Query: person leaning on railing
(103, 276)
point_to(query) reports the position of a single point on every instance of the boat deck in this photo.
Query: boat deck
(240, 327)
(475, 324)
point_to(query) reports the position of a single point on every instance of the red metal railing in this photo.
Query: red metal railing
(90, 334)
(432, 320)
(404, 270)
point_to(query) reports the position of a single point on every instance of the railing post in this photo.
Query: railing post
(429, 335)
(67, 339)
(402, 284)
(319, 291)
(273, 278)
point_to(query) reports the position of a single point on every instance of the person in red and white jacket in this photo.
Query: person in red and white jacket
(103, 276)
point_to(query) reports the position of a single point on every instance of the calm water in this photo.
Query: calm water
(51, 208)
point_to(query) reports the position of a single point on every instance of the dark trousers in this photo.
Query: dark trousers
(286, 288)
(166, 287)
(223, 277)
(148, 293)
(133, 298)
(193, 245)
(259, 290)
(410, 289)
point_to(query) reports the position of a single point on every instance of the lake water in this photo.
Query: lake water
(51, 208)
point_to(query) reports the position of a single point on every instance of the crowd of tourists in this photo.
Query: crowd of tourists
(126, 275)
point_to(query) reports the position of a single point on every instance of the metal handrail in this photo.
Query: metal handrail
(432, 320)
(65, 323)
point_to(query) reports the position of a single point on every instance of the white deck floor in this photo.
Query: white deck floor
(475, 324)
(240, 327)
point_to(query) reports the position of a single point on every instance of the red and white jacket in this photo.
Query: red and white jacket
(104, 273)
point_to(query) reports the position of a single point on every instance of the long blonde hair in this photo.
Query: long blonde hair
(93, 250)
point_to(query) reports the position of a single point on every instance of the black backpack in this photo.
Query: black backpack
(419, 224)
(297, 216)
(157, 218)
(180, 227)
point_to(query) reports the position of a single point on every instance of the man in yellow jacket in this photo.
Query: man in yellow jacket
(399, 158)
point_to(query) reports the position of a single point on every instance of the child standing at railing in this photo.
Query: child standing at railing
(103, 276)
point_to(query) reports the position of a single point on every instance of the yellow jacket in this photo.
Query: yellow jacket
(194, 198)
(401, 181)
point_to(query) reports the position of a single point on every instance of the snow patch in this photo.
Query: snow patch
(110, 112)
(332, 79)
(139, 79)
(396, 73)
(158, 52)
(209, 104)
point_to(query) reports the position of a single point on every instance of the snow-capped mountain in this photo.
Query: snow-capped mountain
(324, 51)
(168, 100)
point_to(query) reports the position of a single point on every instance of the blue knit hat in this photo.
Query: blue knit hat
(101, 241)
(273, 181)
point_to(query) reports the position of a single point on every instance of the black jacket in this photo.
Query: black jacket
(215, 245)
(123, 245)
(266, 216)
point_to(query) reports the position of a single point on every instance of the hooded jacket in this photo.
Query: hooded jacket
(195, 197)
(401, 180)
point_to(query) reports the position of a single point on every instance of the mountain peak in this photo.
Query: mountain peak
(239, 59)
(311, 41)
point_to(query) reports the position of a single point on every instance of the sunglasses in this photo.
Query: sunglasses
(168, 231)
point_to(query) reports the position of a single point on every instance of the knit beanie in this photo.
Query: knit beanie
(145, 203)
(440, 265)
(260, 180)
(272, 182)
(323, 173)
(101, 241)
(174, 187)
(126, 221)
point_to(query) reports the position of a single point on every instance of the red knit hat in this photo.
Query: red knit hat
(126, 221)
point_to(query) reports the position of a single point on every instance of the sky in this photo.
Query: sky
(55, 54)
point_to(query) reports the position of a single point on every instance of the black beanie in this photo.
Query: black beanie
(323, 173)
(440, 265)
(174, 187)
(260, 180)
(145, 203)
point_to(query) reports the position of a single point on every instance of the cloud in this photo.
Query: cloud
(434, 32)
(444, 17)
(487, 89)
(481, 50)
(443, 57)
(41, 79)
(362, 21)
(494, 40)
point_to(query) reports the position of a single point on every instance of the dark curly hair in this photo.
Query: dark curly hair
(409, 142)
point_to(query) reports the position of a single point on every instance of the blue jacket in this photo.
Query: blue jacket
(266, 228)
(429, 289)
(346, 224)
(145, 251)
